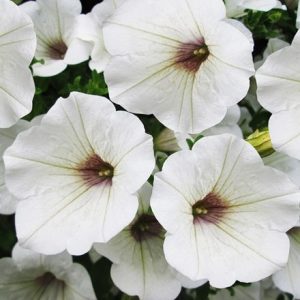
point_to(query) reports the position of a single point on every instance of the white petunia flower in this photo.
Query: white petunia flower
(186, 72)
(251, 292)
(7, 136)
(278, 91)
(236, 8)
(90, 29)
(58, 43)
(220, 207)
(288, 278)
(170, 141)
(29, 275)
(280, 74)
(17, 46)
(284, 128)
(8, 202)
(139, 266)
(274, 44)
(78, 171)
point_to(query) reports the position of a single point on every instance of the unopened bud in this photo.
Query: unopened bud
(261, 141)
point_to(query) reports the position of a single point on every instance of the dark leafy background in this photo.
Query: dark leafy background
(276, 23)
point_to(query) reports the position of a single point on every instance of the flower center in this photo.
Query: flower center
(202, 53)
(95, 171)
(210, 209)
(197, 211)
(57, 50)
(106, 171)
(190, 56)
(46, 279)
(145, 227)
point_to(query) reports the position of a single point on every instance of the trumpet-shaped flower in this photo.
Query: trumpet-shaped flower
(7, 136)
(78, 171)
(139, 266)
(279, 74)
(17, 46)
(288, 278)
(29, 275)
(170, 141)
(286, 139)
(186, 72)
(58, 42)
(90, 30)
(220, 207)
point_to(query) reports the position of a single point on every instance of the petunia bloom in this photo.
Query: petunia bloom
(29, 275)
(139, 266)
(220, 205)
(186, 72)
(7, 136)
(17, 46)
(170, 141)
(288, 278)
(277, 75)
(236, 8)
(78, 172)
(278, 92)
(58, 44)
(90, 28)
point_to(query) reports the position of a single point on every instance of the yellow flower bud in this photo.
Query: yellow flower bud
(261, 141)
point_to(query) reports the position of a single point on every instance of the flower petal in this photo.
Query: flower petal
(277, 75)
(17, 37)
(288, 278)
(286, 139)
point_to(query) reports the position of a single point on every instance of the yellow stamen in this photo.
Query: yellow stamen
(201, 51)
(201, 211)
(105, 173)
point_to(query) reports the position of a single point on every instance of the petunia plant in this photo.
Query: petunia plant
(149, 149)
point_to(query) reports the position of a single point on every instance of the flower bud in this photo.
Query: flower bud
(261, 141)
